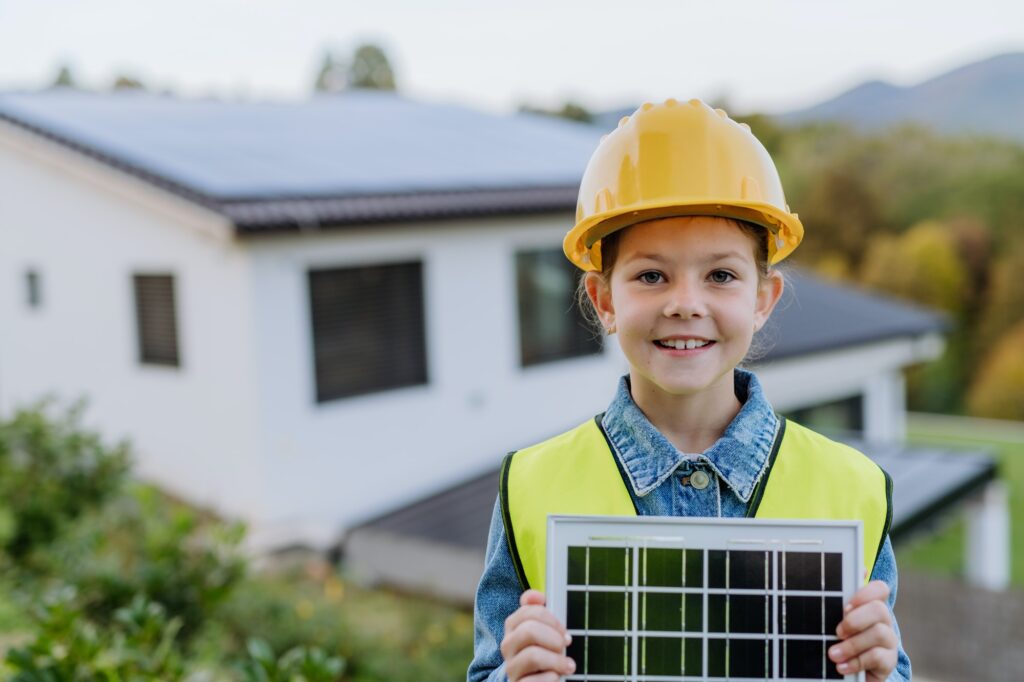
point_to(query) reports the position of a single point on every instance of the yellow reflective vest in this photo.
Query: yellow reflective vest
(808, 477)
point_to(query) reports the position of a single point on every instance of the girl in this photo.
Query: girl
(681, 216)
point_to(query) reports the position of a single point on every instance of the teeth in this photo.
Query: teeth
(681, 344)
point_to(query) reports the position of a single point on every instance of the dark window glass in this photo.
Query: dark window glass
(156, 319)
(606, 566)
(33, 289)
(804, 659)
(368, 329)
(551, 326)
(599, 610)
(600, 655)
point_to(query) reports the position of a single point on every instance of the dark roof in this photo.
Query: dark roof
(925, 481)
(815, 315)
(332, 160)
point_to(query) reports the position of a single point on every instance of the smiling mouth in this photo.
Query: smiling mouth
(683, 344)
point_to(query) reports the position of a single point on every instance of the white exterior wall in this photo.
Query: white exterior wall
(363, 455)
(87, 229)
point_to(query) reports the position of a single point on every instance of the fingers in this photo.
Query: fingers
(534, 642)
(533, 633)
(874, 590)
(861, 618)
(540, 663)
(878, 662)
(870, 642)
(532, 597)
(532, 612)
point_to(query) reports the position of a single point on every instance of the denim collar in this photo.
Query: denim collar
(739, 457)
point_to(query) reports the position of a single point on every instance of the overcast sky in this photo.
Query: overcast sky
(770, 55)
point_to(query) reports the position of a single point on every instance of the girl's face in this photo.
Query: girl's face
(685, 298)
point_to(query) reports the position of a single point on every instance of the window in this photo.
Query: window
(368, 329)
(33, 289)
(551, 326)
(156, 319)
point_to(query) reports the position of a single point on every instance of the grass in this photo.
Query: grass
(942, 551)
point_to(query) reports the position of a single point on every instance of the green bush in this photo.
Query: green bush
(300, 664)
(51, 471)
(139, 644)
(144, 544)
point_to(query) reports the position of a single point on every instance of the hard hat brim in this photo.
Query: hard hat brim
(582, 243)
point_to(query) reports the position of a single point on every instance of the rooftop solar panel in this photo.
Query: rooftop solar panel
(358, 142)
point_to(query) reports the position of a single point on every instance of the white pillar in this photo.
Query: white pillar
(988, 538)
(885, 408)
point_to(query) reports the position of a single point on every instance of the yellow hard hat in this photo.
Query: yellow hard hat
(679, 159)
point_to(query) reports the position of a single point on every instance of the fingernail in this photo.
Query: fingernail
(568, 639)
(833, 653)
(843, 668)
(570, 666)
(848, 608)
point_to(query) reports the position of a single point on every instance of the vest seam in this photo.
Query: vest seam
(618, 463)
(758, 494)
(506, 519)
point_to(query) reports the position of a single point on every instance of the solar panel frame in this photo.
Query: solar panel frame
(728, 642)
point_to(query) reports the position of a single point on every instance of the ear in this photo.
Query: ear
(769, 291)
(600, 293)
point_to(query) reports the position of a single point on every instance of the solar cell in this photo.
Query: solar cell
(658, 599)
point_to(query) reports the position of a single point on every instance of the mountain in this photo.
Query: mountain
(984, 97)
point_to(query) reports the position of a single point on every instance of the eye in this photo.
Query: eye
(650, 277)
(721, 276)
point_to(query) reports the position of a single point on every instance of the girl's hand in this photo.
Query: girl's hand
(534, 641)
(869, 642)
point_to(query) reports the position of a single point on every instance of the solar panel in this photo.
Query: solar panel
(665, 599)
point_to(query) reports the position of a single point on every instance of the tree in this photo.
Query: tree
(1004, 297)
(922, 265)
(332, 76)
(123, 82)
(998, 389)
(64, 78)
(371, 69)
(571, 110)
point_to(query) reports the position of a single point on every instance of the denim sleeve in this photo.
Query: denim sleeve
(885, 569)
(497, 596)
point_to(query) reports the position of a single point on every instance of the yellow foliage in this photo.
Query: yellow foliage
(998, 388)
(922, 265)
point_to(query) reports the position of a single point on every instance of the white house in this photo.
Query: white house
(310, 314)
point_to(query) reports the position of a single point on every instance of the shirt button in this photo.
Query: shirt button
(699, 479)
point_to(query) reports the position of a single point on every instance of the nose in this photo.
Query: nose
(685, 300)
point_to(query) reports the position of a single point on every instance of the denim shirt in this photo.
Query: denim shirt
(655, 468)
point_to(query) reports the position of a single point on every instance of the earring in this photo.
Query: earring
(610, 329)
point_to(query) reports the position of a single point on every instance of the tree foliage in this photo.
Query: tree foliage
(998, 389)
(371, 69)
(921, 265)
